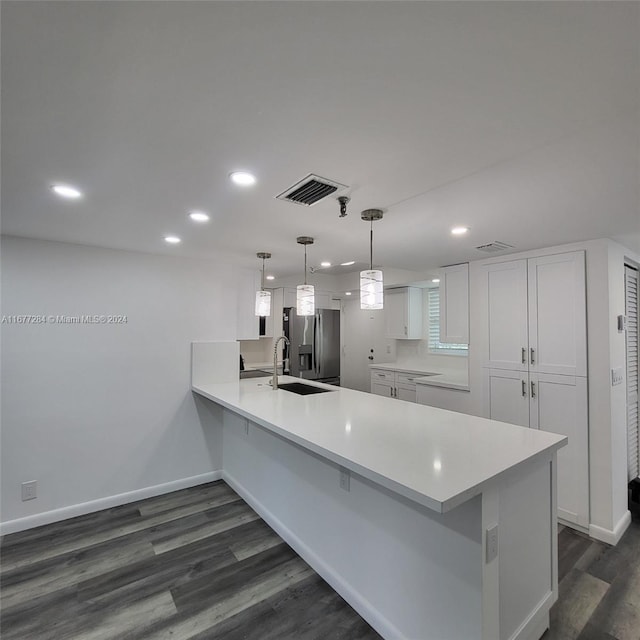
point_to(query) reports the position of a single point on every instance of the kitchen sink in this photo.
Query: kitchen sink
(302, 389)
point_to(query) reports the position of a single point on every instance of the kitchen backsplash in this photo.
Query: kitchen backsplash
(419, 350)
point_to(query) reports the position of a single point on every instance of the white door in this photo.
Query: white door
(507, 310)
(559, 405)
(557, 314)
(363, 344)
(631, 311)
(507, 396)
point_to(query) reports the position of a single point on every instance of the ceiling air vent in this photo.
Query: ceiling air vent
(310, 190)
(492, 247)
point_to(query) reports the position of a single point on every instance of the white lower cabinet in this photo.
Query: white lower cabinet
(555, 403)
(394, 384)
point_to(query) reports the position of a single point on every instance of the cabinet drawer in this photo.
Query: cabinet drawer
(406, 378)
(377, 375)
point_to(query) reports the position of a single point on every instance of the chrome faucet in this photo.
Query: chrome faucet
(274, 380)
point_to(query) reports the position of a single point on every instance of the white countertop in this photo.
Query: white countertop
(437, 458)
(450, 378)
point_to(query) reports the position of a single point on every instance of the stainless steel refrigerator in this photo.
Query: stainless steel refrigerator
(314, 344)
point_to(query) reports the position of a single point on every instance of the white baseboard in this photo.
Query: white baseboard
(383, 626)
(609, 536)
(55, 515)
(537, 622)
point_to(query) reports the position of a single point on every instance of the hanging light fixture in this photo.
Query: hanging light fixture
(371, 291)
(305, 298)
(263, 298)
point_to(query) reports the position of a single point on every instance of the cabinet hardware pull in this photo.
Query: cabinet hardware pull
(533, 389)
(524, 355)
(405, 329)
(524, 388)
(533, 355)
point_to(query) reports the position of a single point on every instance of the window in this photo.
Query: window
(435, 346)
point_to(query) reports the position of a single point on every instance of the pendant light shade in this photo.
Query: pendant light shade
(263, 303)
(371, 284)
(371, 289)
(263, 298)
(305, 300)
(305, 295)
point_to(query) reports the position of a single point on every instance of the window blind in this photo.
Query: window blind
(631, 310)
(433, 307)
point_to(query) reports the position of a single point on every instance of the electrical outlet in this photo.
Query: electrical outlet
(492, 543)
(617, 376)
(345, 479)
(29, 490)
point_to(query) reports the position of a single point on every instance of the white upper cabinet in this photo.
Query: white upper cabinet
(537, 315)
(557, 314)
(403, 313)
(507, 310)
(454, 304)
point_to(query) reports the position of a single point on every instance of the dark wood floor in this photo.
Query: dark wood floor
(199, 564)
(599, 587)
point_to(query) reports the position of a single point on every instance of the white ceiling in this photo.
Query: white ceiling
(517, 119)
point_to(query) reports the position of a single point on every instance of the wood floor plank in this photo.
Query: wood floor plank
(222, 519)
(58, 573)
(619, 612)
(571, 547)
(62, 545)
(580, 593)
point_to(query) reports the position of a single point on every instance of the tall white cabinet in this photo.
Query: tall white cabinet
(535, 361)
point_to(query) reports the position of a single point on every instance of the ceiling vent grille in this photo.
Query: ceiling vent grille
(495, 246)
(310, 190)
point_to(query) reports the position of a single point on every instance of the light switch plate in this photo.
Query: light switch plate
(345, 479)
(617, 376)
(492, 543)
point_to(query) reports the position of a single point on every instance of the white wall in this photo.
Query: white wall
(92, 411)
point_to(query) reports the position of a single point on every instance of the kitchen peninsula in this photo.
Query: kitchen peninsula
(433, 525)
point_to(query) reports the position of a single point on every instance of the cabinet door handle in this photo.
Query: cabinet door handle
(533, 355)
(391, 392)
(524, 356)
(524, 388)
(395, 392)
(405, 329)
(533, 389)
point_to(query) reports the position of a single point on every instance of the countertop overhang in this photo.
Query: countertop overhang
(434, 457)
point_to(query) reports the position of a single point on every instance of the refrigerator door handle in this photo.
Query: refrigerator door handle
(314, 355)
(316, 345)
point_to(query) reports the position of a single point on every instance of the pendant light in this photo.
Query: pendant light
(371, 291)
(305, 297)
(263, 298)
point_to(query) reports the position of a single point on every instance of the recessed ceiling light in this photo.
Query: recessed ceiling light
(271, 277)
(347, 264)
(243, 178)
(459, 231)
(347, 293)
(172, 239)
(199, 216)
(325, 264)
(436, 280)
(66, 191)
